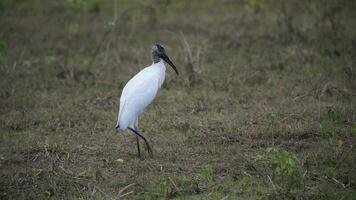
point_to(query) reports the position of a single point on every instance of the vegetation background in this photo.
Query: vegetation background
(264, 107)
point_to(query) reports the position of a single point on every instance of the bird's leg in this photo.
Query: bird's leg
(137, 139)
(138, 147)
(149, 149)
(144, 139)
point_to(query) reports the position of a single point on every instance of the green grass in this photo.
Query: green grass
(273, 117)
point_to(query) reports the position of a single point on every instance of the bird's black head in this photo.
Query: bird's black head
(157, 48)
(158, 52)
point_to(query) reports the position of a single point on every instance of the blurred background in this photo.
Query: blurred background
(264, 107)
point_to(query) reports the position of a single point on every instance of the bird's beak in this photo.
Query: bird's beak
(166, 58)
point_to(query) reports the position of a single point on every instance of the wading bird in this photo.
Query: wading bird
(140, 91)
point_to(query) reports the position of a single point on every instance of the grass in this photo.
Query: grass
(273, 117)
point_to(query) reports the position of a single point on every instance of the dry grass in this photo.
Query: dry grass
(268, 81)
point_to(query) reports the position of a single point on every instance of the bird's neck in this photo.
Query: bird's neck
(159, 65)
(159, 69)
(155, 58)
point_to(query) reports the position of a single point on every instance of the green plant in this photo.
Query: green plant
(4, 4)
(353, 130)
(273, 117)
(206, 173)
(84, 6)
(283, 163)
(255, 4)
(329, 125)
(163, 188)
(51, 59)
(73, 28)
(271, 124)
(3, 51)
(184, 181)
(285, 170)
(330, 172)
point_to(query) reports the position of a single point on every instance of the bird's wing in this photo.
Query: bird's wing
(122, 105)
(141, 89)
(137, 94)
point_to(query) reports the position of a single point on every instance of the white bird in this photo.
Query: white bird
(140, 91)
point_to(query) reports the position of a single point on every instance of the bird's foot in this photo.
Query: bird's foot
(149, 150)
(151, 153)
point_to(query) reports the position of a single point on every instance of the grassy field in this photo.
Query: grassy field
(264, 108)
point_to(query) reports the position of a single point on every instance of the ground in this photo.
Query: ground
(264, 108)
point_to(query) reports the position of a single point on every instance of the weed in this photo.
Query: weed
(285, 169)
(73, 28)
(3, 51)
(353, 130)
(84, 6)
(273, 117)
(283, 163)
(163, 188)
(329, 126)
(51, 59)
(206, 173)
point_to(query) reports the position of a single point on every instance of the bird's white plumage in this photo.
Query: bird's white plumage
(138, 93)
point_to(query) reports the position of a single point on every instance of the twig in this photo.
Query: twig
(341, 160)
(189, 55)
(175, 186)
(112, 35)
(102, 192)
(92, 194)
(192, 65)
(201, 48)
(95, 53)
(319, 105)
(118, 196)
(126, 194)
(66, 171)
(105, 36)
(336, 181)
(80, 193)
(251, 165)
(115, 11)
(273, 186)
(301, 96)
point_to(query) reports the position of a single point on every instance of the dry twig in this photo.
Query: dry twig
(175, 186)
(92, 193)
(273, 186)
(193, 64)
(119, 195)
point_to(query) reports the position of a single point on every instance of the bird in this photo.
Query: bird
(140, 91)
